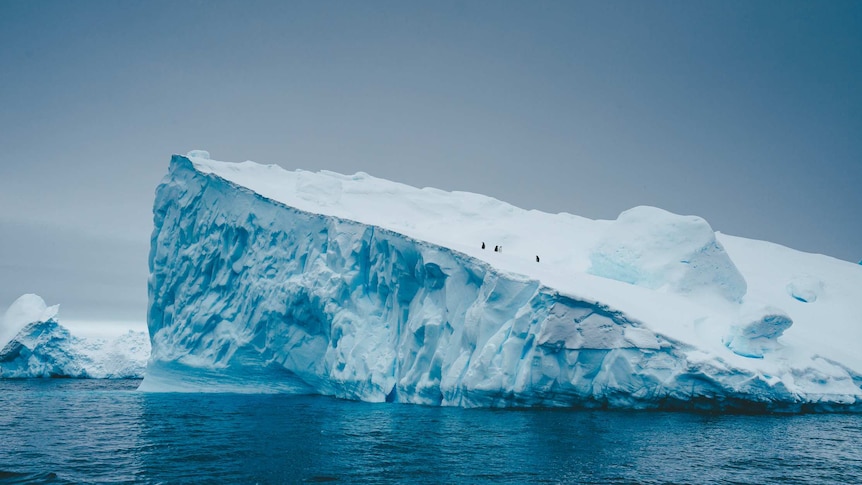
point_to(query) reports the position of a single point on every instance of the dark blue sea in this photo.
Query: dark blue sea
(90, 431)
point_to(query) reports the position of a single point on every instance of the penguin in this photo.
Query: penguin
(483, 244)
(496, 249)
(537, 258)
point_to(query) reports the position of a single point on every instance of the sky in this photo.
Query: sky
(746, 113)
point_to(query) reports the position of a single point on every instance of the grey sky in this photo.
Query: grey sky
(747, 113)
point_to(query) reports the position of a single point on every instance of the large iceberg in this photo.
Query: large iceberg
(267, 280)
(34, 344)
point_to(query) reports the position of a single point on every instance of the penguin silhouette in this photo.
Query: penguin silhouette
(496, 249)
(537, 258)
(483, 244)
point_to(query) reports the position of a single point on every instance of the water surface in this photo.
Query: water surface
(89, 431)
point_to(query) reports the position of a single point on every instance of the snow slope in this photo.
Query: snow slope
(270, 280)
(34, 344)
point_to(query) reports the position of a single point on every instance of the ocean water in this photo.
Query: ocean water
(89, 431)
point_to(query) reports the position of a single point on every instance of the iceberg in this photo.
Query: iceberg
(269, 280)
(34, 344)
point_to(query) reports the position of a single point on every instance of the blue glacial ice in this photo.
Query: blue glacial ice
(251, 294)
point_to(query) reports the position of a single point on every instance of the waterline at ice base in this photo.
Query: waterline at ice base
(268, 280)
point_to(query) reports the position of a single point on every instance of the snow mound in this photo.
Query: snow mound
(757, 332)
(656, 249)
(201, 154)
(322, 191)
(805, 288)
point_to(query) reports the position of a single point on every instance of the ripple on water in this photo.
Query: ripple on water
(86, 431)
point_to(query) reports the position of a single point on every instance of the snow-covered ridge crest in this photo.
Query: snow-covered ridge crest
(646, 246)
(268, 280)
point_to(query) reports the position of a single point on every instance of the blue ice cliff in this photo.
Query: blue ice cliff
(265, 280)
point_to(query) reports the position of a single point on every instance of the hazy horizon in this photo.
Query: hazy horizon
(747, 114)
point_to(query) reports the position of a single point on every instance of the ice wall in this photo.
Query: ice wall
(251, 295)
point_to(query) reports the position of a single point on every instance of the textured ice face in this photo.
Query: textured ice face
(249, 294)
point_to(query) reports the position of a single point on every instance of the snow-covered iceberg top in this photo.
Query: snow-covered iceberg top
(756, 320)
(34, 344)
(645, 246)
(28, 308)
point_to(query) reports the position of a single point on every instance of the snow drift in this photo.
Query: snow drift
(266, 280)
(34, 344)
